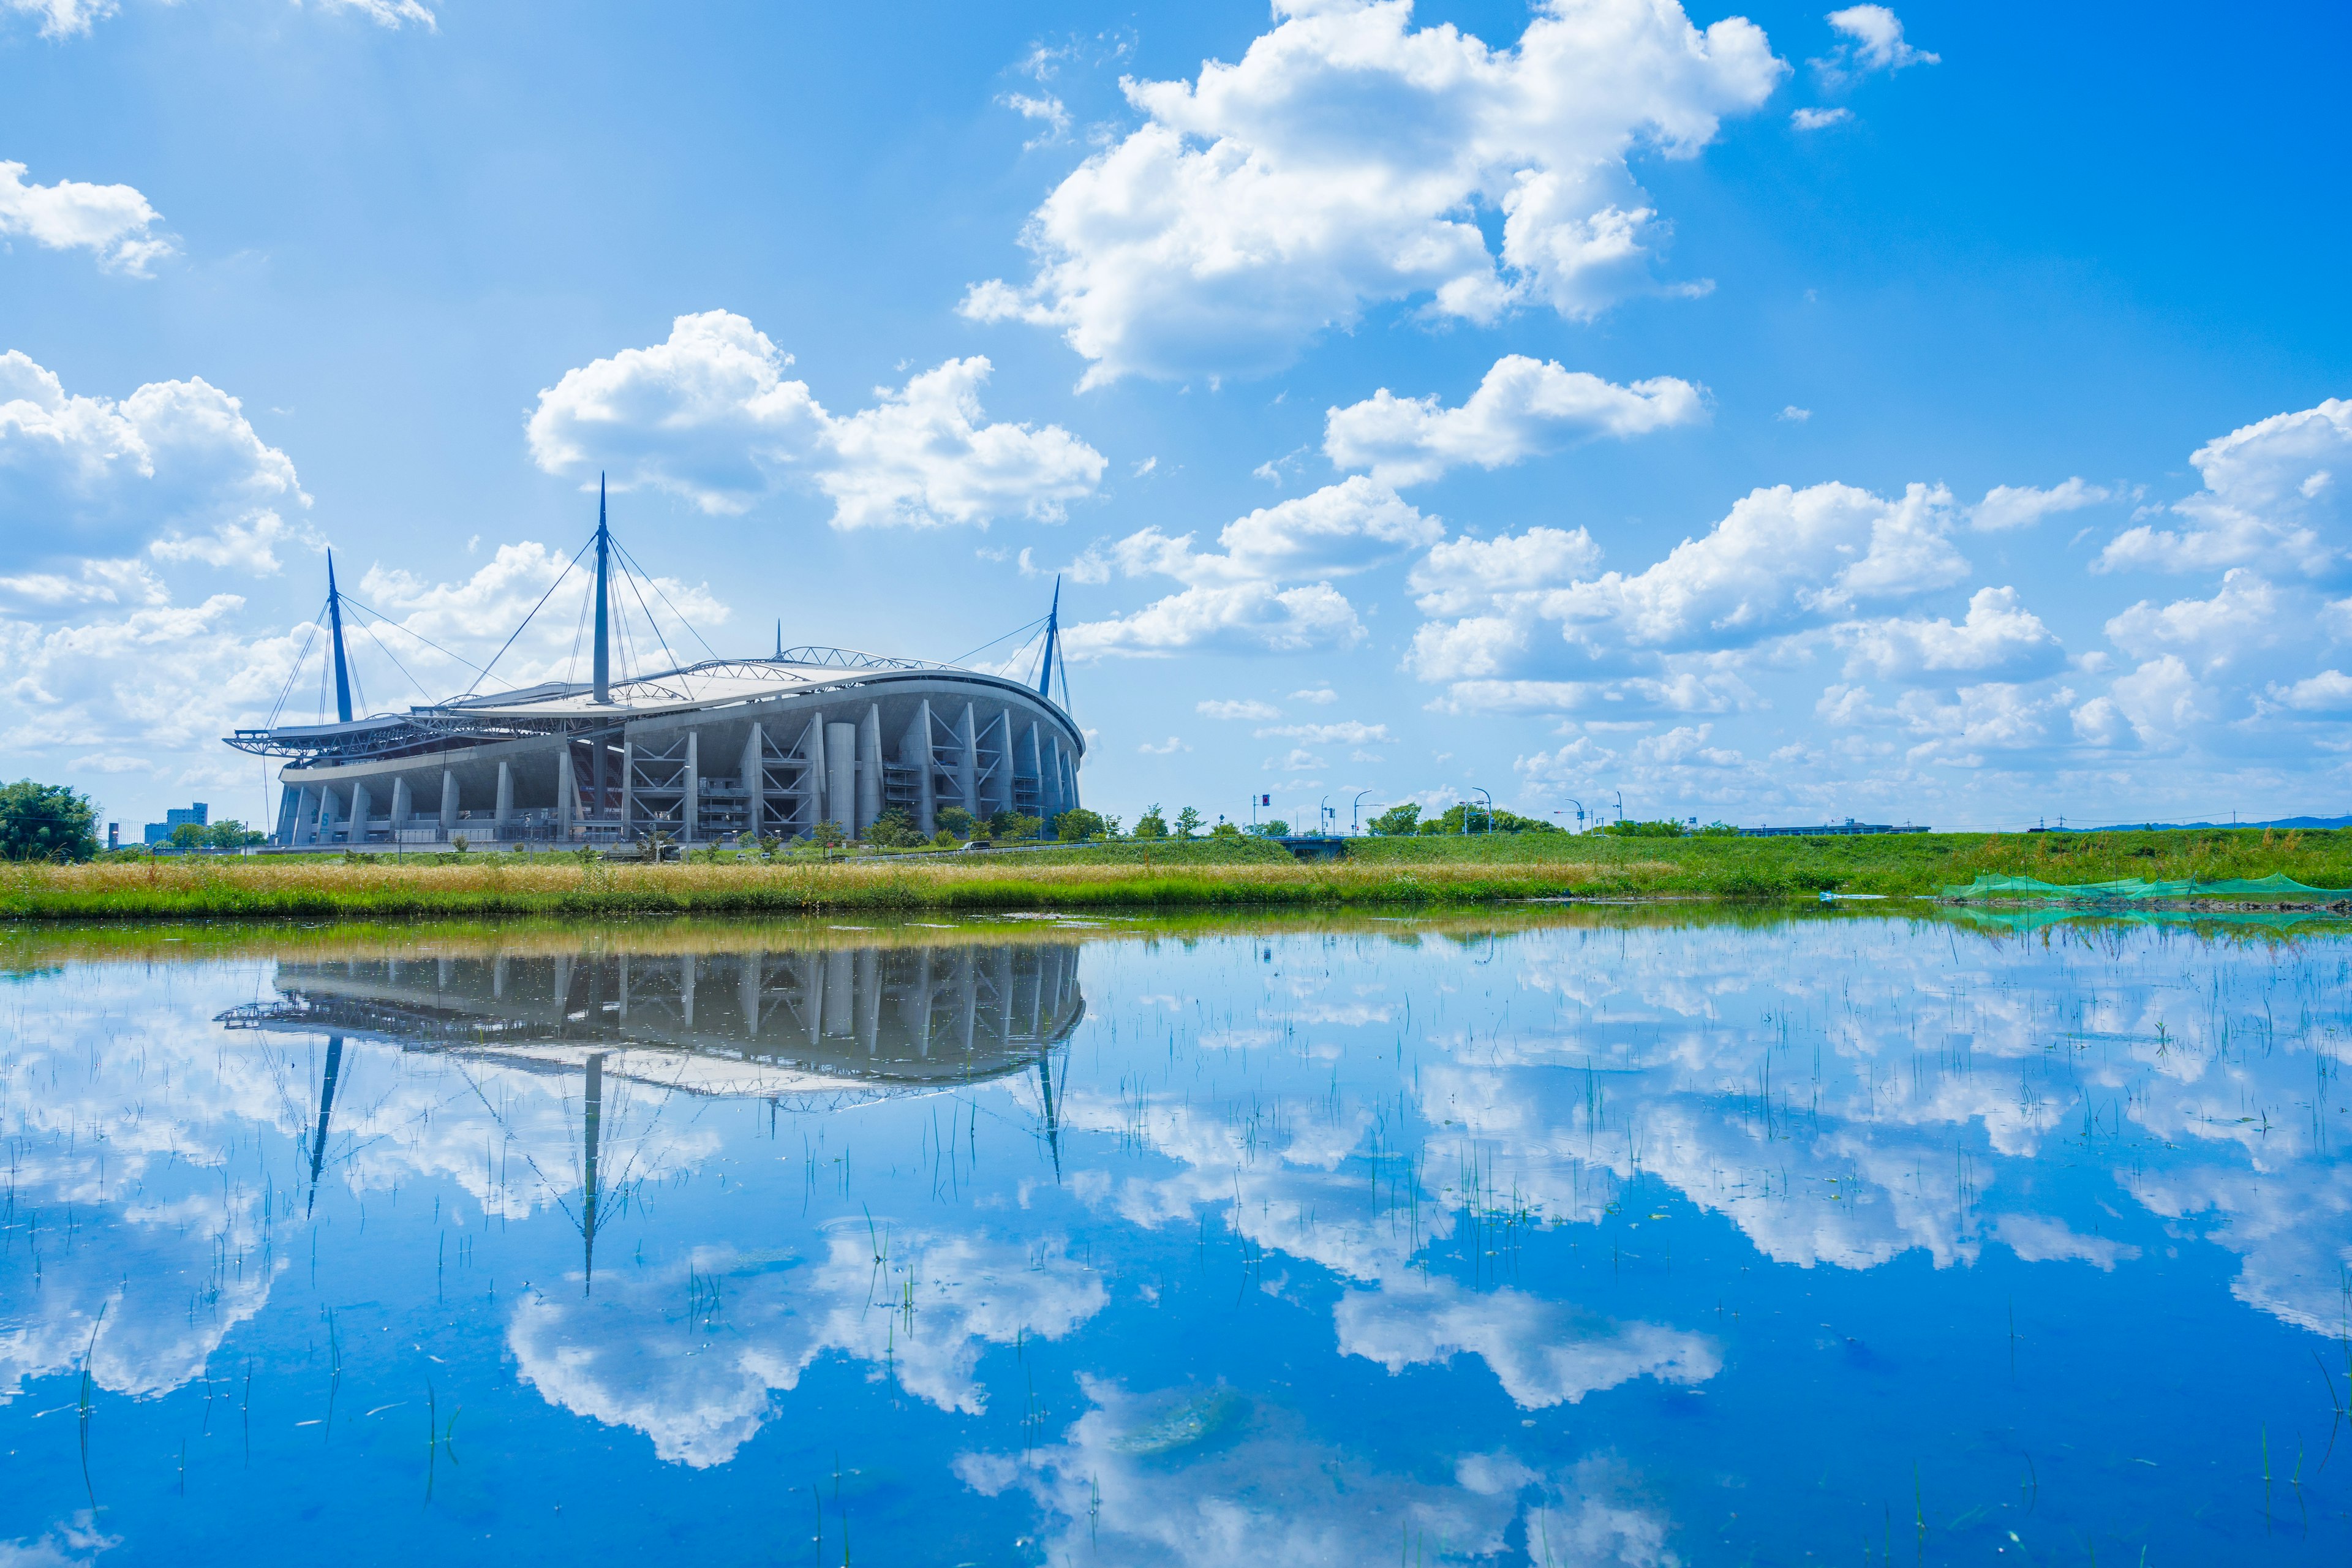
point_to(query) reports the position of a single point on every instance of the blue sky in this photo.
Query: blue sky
(1923, 414)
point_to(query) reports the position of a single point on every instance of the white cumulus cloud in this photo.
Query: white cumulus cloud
(174, 466)
(2273, 497)
(2022, 506)
(113, 223)
(1521, 407)
(1345, 160)
(1874, 43)
(2000, 637)
(1232, 708)
(709, 416)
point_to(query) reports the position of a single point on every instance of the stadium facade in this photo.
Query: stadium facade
(697, 754)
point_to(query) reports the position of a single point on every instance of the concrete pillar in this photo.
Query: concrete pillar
(1049, 777)
(841, 775)
(505, 816)
(967, 763)
(687, 968)
(813, 777)
(1029, 755)
(869, 999)
(746, 990)
(869, 767)
(448, 800)
(914, 752)
(305, 816)
(1069, 779)
(755, 781)
(355, 831)
(567, 791)
(841, 990)
(628, 785)
(690, 815)
(1000, 794)
(400, 807)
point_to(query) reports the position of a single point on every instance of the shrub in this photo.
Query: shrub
(892, 830)
(1151, 825)
(1225, 830)
(943, 839)
(1077, 825)
(45, 822)
(1013, 825)
(1644, 829)
(458, 842)
(955, 819)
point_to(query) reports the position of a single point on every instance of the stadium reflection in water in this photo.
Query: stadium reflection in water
(1643, 1236)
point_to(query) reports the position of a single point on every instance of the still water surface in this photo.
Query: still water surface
(1587, 1237)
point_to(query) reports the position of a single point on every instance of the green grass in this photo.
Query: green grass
(1203, 874)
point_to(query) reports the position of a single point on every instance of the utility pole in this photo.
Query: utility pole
(1355, 815)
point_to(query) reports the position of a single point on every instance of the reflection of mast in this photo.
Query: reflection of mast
(1053, 1126)
(326, 1113)
(594, 1121)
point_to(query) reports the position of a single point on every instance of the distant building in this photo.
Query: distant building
(1849, 826)
(115, 836)
(199, 813)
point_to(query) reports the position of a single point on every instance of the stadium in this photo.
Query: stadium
(694, 753)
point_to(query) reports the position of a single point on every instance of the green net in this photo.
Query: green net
(2272, 889)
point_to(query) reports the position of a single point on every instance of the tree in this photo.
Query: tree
(1644, 829)
(1077, 825)
(1187, 823)
(1010, 824)
(231, 835)
(45, 822)
(893, 829)
(827, 834)
(955, 819)
(1273, 828)
(1397, 821)
(1151, 825)
(1225, 830)
(187, 835)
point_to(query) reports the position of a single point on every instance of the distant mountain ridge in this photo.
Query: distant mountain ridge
(2313, 822)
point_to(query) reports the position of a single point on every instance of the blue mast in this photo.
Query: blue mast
(343, 669)
(603, 558)
(1053, 636)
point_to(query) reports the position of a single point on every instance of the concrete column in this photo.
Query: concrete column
(747, 992)
(690, 814)
(399, 806)
(628, 784)
(687, 968)
(1000, 794)
(914, 752)
(448, 800)
(305, 816)
(1069, 779)
(755, 781)
(505, 798)
(1049, 776)
(967, 763)
(1029, 755)
(870, 1000)
(869, 767)
(813, 778)
(567, 793)
(841, 989)
(841, 775)
(355, 831)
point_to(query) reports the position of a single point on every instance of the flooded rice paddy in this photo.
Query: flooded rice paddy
(1585, 1237)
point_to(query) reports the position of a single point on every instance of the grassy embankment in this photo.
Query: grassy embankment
(1201, 875)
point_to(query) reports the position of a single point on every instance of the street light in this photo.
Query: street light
(1354, 817)
(1490, 809)
(1580, 811)
(1323, 821)
(1621, 805)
